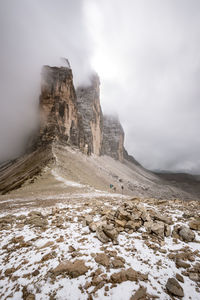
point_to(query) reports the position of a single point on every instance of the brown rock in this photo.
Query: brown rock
(10, 271)
(111, 232)
(35, 273)
(158, 228)
(164, 219)
(101, 235)
(102, 259)
(88, 219)
(140, 294)
(195, 224)
(36, 220)
(125, 275)
(73, 269)
(134, 225)
(167, 230)
(174, 287)
(30, 297)
(60, 119)
(93, 226)
(186, 234)
(120, 223)
(71, 249)
(182, 264)
(194, 276)
(179, 277)
(117, 263)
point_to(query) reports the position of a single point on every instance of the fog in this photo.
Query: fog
(147, 53)
(148, 56)
(35, 33)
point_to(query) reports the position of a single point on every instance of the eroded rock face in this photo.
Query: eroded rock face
(113, 138)
(88, 101)
(75, 117)
(60, 120)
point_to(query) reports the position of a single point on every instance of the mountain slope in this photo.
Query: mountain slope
(60, 169)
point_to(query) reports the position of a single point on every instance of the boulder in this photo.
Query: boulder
(182, 264)
(134, 225)
(73, 269)
(140, 294)
(194, 276)
(101, 235)
(158, 228)
(174, 288)
(111, 232)
(163, 218)
(120, 223)
(88, 219)
(195, 224)
(126, 275)
(102, 259)
(186, 234)
(117, 263)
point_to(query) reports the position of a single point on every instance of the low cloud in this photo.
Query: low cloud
(35, 33)
(148, 57)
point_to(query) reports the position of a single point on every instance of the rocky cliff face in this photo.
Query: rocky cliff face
(75, 117)
(88, 101)
(60, 120)
(113, 138)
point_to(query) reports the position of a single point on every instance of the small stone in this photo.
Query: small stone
(179, 277)
(35, 273)
(71, 249)
(47, 257)
(167, 230)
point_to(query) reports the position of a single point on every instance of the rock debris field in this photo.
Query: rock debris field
(102, 248)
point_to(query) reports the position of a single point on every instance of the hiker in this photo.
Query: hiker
(122, 187)
(111, 186)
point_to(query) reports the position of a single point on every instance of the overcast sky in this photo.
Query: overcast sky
(147, 53)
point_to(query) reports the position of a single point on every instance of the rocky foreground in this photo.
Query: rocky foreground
(102, 248)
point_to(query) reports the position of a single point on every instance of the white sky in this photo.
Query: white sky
(147, 54)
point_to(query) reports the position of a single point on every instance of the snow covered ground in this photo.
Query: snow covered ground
(30, 252)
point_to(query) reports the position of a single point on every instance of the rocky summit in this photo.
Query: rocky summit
(80, 218)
